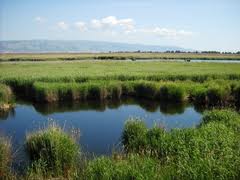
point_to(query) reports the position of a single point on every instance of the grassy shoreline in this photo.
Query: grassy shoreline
(113, 56)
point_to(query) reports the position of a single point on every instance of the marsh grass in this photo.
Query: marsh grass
(211, 93)
(53, 152)
(5, 158)
(6, 99)
(209, 151)
(6, 95)
(131, 166)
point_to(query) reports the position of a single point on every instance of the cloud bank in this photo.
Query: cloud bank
(127, 26)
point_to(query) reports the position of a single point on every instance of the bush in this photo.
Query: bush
(53, 150)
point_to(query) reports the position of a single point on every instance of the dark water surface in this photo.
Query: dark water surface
(100, 124)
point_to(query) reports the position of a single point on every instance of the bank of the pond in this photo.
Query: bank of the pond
(209, 151)
(218, 92)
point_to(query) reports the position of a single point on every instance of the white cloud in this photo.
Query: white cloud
(81, 26)
(39, 19)
(62, 25)
(114, 26)
(165, 32)
(112, 22)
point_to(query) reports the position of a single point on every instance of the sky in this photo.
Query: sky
(199, 25)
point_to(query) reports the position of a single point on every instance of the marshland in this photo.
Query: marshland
(117, 119)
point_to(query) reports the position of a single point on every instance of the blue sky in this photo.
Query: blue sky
(201, 25)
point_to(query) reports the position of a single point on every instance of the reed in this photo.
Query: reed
(53, 152)
(5, 158)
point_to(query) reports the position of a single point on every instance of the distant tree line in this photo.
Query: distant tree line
(178, 51)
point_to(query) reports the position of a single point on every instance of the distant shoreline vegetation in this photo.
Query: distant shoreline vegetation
(136, 55)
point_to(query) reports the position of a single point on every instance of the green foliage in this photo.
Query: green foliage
(53, 151)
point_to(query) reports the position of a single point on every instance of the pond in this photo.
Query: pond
(100, 124)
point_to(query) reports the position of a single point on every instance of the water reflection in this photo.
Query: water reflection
(8, 113)
(100, 106)
(100, 123)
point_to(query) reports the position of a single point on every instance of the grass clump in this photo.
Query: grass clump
(172, 92)
(146, 89)
(6, 97)
(134, 135)
(5, 159)
(53, 153)
(217, 94)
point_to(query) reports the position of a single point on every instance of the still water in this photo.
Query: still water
(100, 124)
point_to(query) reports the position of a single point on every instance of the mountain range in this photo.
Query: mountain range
(48, 46)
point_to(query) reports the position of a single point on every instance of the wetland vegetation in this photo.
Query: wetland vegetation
(118, 56)
(210, 150)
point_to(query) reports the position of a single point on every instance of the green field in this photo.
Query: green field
(208, 151)
(68, 70)
(115, 56)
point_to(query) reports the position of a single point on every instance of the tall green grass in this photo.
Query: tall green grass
(211, 93)
(132, 166)
(53, 153)
(6, 98)
(208, 152)
(5, 159)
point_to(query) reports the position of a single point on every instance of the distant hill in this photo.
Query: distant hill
(41, 46)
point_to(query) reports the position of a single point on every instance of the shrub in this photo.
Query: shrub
(53, 150)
